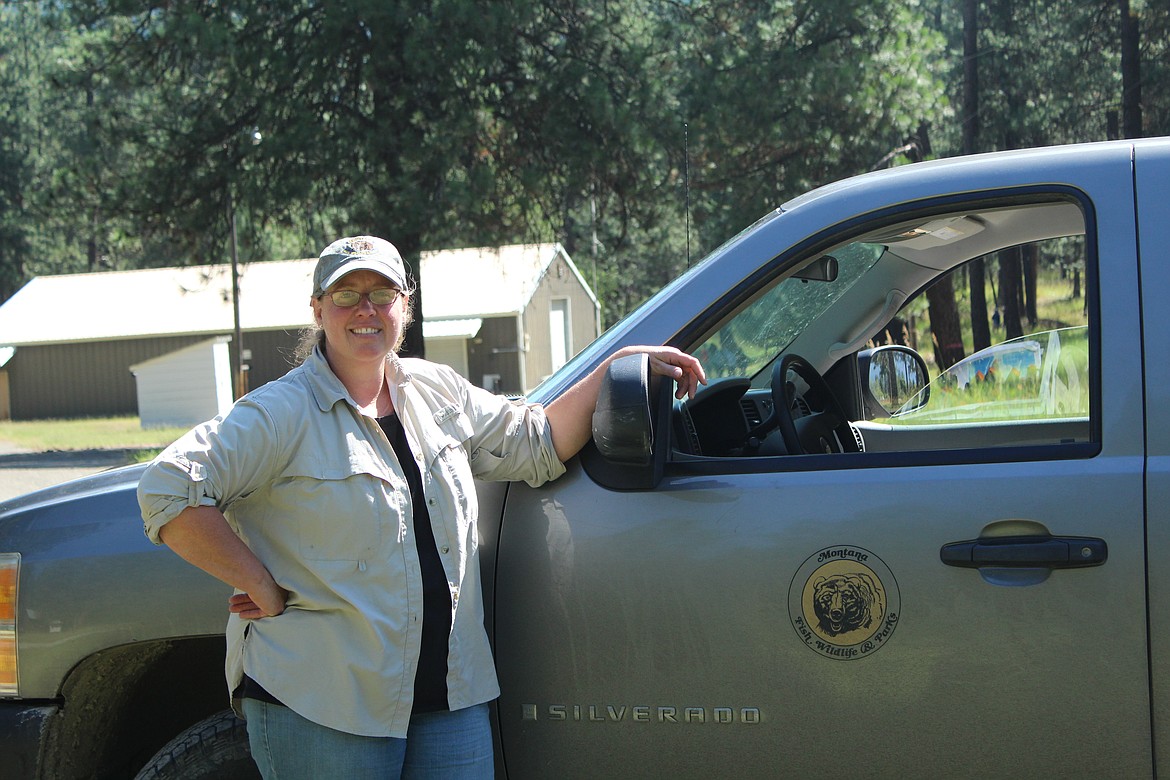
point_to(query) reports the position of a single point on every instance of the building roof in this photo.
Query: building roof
(450, 329)
(111, 305)
(487, 281)
(461, 284)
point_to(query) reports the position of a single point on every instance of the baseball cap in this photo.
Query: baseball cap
(358, 253)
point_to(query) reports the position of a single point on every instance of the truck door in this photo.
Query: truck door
(966, 597)
(1152, 176)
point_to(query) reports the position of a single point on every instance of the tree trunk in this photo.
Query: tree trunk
(980, 328)
(408, 245)
(1009, 291)
(1031, 264)
(412, 343)
(945, 326)
(1131, 73)
(970, 76)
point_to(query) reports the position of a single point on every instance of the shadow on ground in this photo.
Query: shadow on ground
(56, 459)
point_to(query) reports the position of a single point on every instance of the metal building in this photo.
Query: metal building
(74, 337)
(505, 317)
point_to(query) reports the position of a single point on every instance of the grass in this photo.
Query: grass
(89, 433)
(1016, 390)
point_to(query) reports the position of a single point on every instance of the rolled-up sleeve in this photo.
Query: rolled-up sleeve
(213, 464)
(512, 440)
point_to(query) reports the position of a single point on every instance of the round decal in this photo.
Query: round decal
(844, 602)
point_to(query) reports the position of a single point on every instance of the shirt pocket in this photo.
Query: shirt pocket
(344, 511)
(452, 467)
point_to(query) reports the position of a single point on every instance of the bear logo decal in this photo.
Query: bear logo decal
(844, 602)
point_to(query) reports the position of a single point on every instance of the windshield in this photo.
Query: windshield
(756, 335)
(752, 339)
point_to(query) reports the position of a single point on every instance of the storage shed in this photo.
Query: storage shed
(506, 317)
(185, 387)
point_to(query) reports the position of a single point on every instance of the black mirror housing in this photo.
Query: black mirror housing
(622, 428)
(632, 406)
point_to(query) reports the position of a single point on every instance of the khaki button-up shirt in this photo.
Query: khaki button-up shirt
(313, 487)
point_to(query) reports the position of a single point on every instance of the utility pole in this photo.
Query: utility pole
(239, 385)
(239, 376)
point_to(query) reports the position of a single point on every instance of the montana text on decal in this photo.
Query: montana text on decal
(842, 552)
(610, 713)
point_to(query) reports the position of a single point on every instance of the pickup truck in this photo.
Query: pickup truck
(836, 560)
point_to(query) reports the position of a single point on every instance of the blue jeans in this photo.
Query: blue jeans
(452, 745)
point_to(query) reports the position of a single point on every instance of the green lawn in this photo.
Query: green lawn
(87, 433)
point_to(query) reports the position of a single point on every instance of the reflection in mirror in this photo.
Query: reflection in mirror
(896, 376)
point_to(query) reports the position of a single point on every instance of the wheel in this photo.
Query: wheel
(824, 431)
(215, 747)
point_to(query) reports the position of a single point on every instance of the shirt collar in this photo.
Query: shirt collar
(327, 389)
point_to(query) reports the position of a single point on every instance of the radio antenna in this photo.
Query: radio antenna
(687, 185)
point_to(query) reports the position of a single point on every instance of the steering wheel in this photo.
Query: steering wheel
(825, 431)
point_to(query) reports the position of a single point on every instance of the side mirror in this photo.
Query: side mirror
(891, 377)
(631, 406)
(622, 428)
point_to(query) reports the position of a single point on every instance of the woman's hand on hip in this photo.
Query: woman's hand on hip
(267, 602)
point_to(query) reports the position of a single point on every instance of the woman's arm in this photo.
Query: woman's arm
(571, 415)
(201, 536)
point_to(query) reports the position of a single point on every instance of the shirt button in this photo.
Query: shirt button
(445, 549)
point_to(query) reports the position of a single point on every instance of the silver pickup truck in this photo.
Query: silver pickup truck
(837, 560)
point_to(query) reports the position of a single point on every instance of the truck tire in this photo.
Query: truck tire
(215, 747)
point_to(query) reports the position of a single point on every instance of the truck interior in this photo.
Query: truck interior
(837, 353)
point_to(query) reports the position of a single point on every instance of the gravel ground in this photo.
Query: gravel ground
(23, 470)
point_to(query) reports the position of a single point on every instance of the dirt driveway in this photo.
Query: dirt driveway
(22, 471)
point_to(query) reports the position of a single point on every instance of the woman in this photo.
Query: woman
(339, 502)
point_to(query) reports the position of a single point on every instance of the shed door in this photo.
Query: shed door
(560, 332)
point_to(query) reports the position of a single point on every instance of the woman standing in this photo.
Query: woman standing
(339, 502)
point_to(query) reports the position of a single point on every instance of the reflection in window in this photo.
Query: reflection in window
(1041, 376)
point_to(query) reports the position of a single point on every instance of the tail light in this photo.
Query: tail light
(9, 584)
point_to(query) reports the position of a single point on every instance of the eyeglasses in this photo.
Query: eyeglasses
(383, 296)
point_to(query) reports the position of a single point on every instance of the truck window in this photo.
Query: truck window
(987, 310)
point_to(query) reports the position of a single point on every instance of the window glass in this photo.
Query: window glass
(1041, 374)
(753, 338)
(953, 331)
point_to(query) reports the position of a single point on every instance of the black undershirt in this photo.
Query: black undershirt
(430, 681)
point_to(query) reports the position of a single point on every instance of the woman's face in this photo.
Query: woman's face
(361, 333)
